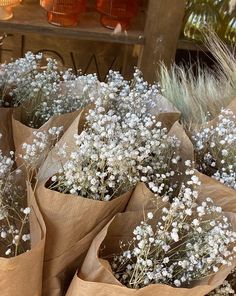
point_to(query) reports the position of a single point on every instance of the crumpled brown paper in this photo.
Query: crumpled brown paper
(71, 221)
(22, 275)
(214, 121)
(53, 162)
(24, 134)
(64, 214)
(185, 150)
(95, 276)
(222, 195)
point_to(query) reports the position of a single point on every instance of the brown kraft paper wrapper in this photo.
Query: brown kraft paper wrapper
(56, 264)
(24, 134)
(222, 195)
(185, 151)
(231, 107)
(6, 141)
(72, 222)
(96, 277)
(22, 275)
(53, 162)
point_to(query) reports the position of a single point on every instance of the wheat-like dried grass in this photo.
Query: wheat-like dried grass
(201, 94)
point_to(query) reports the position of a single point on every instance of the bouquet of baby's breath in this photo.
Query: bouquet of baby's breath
(135, 97)
(112, 156)
(186, 246)
(184, 242)
(73, 93)
(14, 212)
(216, 156)
(22, 229)
(122, 144)
(215, 147)
(42, 89)
(13, 73)
(95, 166)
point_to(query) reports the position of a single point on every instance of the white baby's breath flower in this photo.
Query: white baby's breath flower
(8, 252)
(215, 149)
(27, 211)
(3, 234)
(26, 237)
(150, 215)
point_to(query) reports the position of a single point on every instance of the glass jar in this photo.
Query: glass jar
(202, 15)
(64, 13)
(115, 12)
(6, 8)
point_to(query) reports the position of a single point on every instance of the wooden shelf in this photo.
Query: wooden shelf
(31, 18)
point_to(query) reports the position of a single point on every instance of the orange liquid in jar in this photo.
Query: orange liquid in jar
(117, 11)
(63, 13)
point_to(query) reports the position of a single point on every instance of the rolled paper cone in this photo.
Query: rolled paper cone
(24, 134)
(71, 222)
(22, 275)
(96, 278)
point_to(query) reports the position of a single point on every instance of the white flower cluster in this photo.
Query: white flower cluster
(228, 286)
(14, 214)
(11, 76)
(42, 89)
(6, 164)
(122, 145)
(73, 93)
(216, 149)
(36, 152)
(135, 96)
(224, 290)
(186, 242)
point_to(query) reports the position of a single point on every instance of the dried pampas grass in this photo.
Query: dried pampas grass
(201, 94)
(225, 57)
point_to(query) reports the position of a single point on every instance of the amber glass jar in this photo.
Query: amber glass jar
(201, 15)
(6, 8)
(63, 13)
(117, 11)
